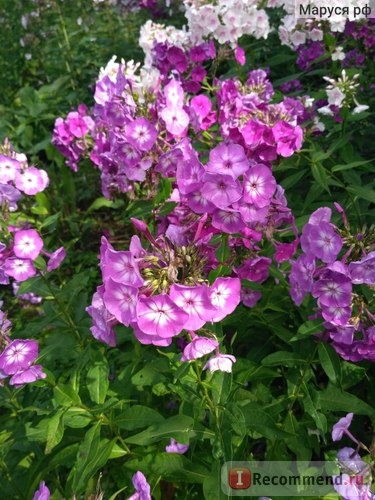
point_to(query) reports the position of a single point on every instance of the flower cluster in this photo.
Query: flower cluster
(17, 357)
(333, 281)
(354, 480)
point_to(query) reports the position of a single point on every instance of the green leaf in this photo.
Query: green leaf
(175, 467)
(320, 175)
(330, 362)
(307, 329)
(65, 395)
(285, 358)
(178, 427)
(349, 166)
(97, 381)
(335, 399)
(363, 192)
(212, 484)
(137, 416)
(55, 430)
(102, 202)
(92, 454)
(259, 421)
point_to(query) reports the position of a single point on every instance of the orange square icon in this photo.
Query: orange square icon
(239, 478)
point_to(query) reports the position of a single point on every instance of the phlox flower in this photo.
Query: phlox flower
(176, 120)
(259, 186)
(194, 300)
(141, 134)
(341, 427)
(159, 315)
(27, 244)
(221, 190)
(121, 267)
(145, 338)
(228, 221)
(321, 241)
(10, 195)
(120, 300)
(228, 159)
(333, 290)
(31, 374)
(103, 321)
(55, 259)
(363, 271)
(143, 490)
(19, 269)
(42, 492)
(8, 169)
(220, 362)
(249, 297)
(199, 347)
(255, 269)
(224, 294)
(174, 94)
(175, 447)
(32, 180)
(287, 137)
(18, 355)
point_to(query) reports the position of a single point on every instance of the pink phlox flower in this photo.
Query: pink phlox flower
(141, 133)
(285, 251)
(121, 299)
(55, 259)
(27, 244)
(103, 321)
(19, 269)
(194, 300)
(42, 492)
(259, 186)
(145, 338)
(143, 490)
(199, 347)
(228, 159)
(250, 297)
(159, 315)
(221, 190)
(228, 220)
(122, 267)
(174, 94)
(8, 169)
(224, 294)
(255, 269)
(176, 120)
(239, 55)
(31, 374)
(332, 290)
(287, 137)
(32, 180)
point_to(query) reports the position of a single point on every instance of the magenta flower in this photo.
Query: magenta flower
(239, 55)
(27, 376)
(287, 137)
(175, 447)
(42, 492)
(79, 124)
(32, 180)
(141, 134)
(159, 315)
(55, 259)
(202, 105)
(229, 221)
(250, 297)
(103, 321)
(259, 186)
(256, 269)
(225, 296)
(121, 300)
(333, 290)
(221, 190)
(228, 159)
(199, 347)
(19, 269)
(336, 314)
(220, 362)
(145, 338)
(143, 490)
(18, 355)
(27, 244)
(195, 302)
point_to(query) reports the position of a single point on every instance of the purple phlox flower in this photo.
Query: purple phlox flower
(42, 492)
(337, 315)
(284, 251)
(343, 334)
(350, 460)
(352, 487)
(18, 355)
(199, 347)
(220, 362)
(202, 105)
(228, 159)
(221, 190)
(194, 300)
(168, 162)
(342, 427)
(199, 203)
(229, 221)
(224, 294)
(175, 447)
(255, 269)
(321, 241)
(121, 299)
(78, 123)
(121, 267)
(143, 490)
(287, 137)
(9, 194)
(27, 244)
(322, 214)
(251, 213)
(259, 186)
(55, 259)
(159, 315)
(363, 271)
(258, 82)
(19, 269)
(103, 321)
(145, 338)
(32, 180)
(141, 133)
(249, 297)
(31, 374)
(332, 290)
(189, 175)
